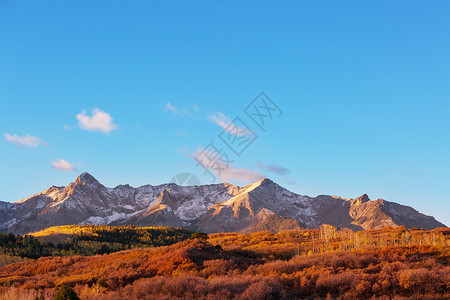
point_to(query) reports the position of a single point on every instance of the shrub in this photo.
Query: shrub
(65, 292)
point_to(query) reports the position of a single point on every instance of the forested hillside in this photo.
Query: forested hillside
(87, 240)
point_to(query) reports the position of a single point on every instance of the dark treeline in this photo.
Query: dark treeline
(95, 240)
(24, 246)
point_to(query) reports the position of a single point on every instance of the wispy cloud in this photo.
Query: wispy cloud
(226, 123)
(273, 168)
(223, 169)
(181, 111)
(63, 165)
(276, 169)
(99, 121)
(220, 119)
(30, 141)
(177, 111)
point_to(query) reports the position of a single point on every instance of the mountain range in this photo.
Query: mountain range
(263, 205)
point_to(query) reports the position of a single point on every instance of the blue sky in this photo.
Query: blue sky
(131, 92)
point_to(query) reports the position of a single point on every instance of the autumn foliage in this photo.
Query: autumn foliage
(322, 263)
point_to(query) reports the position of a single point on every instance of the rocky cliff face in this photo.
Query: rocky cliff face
(263, 205)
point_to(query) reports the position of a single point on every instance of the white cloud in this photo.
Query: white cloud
(220, 119)
(195, 107)
(170, 107)
(181, 111)
(232, 173)
(178, 111)
(226, 123)
(100, 121)
(30, 141)
(223, 169)
(63, 165)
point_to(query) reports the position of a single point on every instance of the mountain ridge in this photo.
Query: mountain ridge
(210, 208)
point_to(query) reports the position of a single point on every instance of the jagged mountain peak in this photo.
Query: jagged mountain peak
(265, 182)
(124, 186)
(268, 189)
(364, 198)
(87, 178)
(360, 200)
(165, 197)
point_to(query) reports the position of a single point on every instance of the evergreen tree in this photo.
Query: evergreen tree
(65, 292)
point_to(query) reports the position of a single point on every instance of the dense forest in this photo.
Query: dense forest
(89, 240)
(315, 264)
